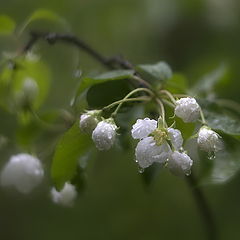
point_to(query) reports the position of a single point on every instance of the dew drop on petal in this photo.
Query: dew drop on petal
(140, 170)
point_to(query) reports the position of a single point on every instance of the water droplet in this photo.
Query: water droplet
(140, 170)
(211, 156)
(181, 149)
(78, 73)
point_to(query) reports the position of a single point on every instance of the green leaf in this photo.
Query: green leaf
(70, 147)
(42, 14)
(160, 71)
(7, 25)
(222, 168)
(210, 80)
(177, 84)
(105, 77)
(223, 122)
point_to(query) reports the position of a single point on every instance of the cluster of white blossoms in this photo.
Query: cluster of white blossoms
(103, 131)
(160, 145)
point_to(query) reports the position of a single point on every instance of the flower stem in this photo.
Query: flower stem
(204, 209)
(202, 117)
(170, 96)
(125, 100)
(162, 112)
(129, 95)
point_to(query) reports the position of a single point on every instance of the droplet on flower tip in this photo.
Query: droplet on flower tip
(140, 170)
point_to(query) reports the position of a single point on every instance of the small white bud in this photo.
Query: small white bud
(104, 134)
(88, 121)
(187, 109)
(180, 164)
(66, 196)
(147, 152)
(208, 140)
(143, 127)
(30, 88)
(23, 171)
(175, 138)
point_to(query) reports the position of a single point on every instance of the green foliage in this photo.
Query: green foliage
(224, 123)
(23, 82)
(102, 78)
(7, 25)
(177, 84)
(70, 147)
(159, 72)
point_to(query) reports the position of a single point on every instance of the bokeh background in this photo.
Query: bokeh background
(194, 37)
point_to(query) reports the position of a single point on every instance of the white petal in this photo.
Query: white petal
(147, 152)
(175, 138)
(88, 122)
(143, 127)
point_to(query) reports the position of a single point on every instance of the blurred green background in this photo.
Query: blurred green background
(194, 37)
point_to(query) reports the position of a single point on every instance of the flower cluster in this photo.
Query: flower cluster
(161, 145)
(157, 143)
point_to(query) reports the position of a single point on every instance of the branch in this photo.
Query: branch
(204, 209)
(116, 62)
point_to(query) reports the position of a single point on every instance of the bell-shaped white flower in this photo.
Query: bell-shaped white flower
(104, 134)
(23, 171)
(208, 140)
(147, 152)
(187, 109)
(89, 121)
(175, 137)
(180, 164)
(66, 196)
(143, 127)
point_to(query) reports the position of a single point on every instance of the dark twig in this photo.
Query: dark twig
(111, 63)
(203, 207)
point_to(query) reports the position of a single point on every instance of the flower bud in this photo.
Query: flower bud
(66, 196)
(143, 127)
(175, 137)
(104, 134)
(88, 121)
(180, 164)
(23, 171)
(187, 109)
(208, 140)
(147, 152)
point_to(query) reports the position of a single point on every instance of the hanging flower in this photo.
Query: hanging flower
(187, 109)
(180, 164)
(66, 196)
(23, 171)
(104, 134)
(89, 121)
(208, 140)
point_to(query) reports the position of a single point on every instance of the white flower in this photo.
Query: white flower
(104, 134)
(180, 164)
(175, 138)
(208, 140)
(66, 196)
(147, 152)
(187, 109)
(88, 121)
(23, 171)
(143, 127)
